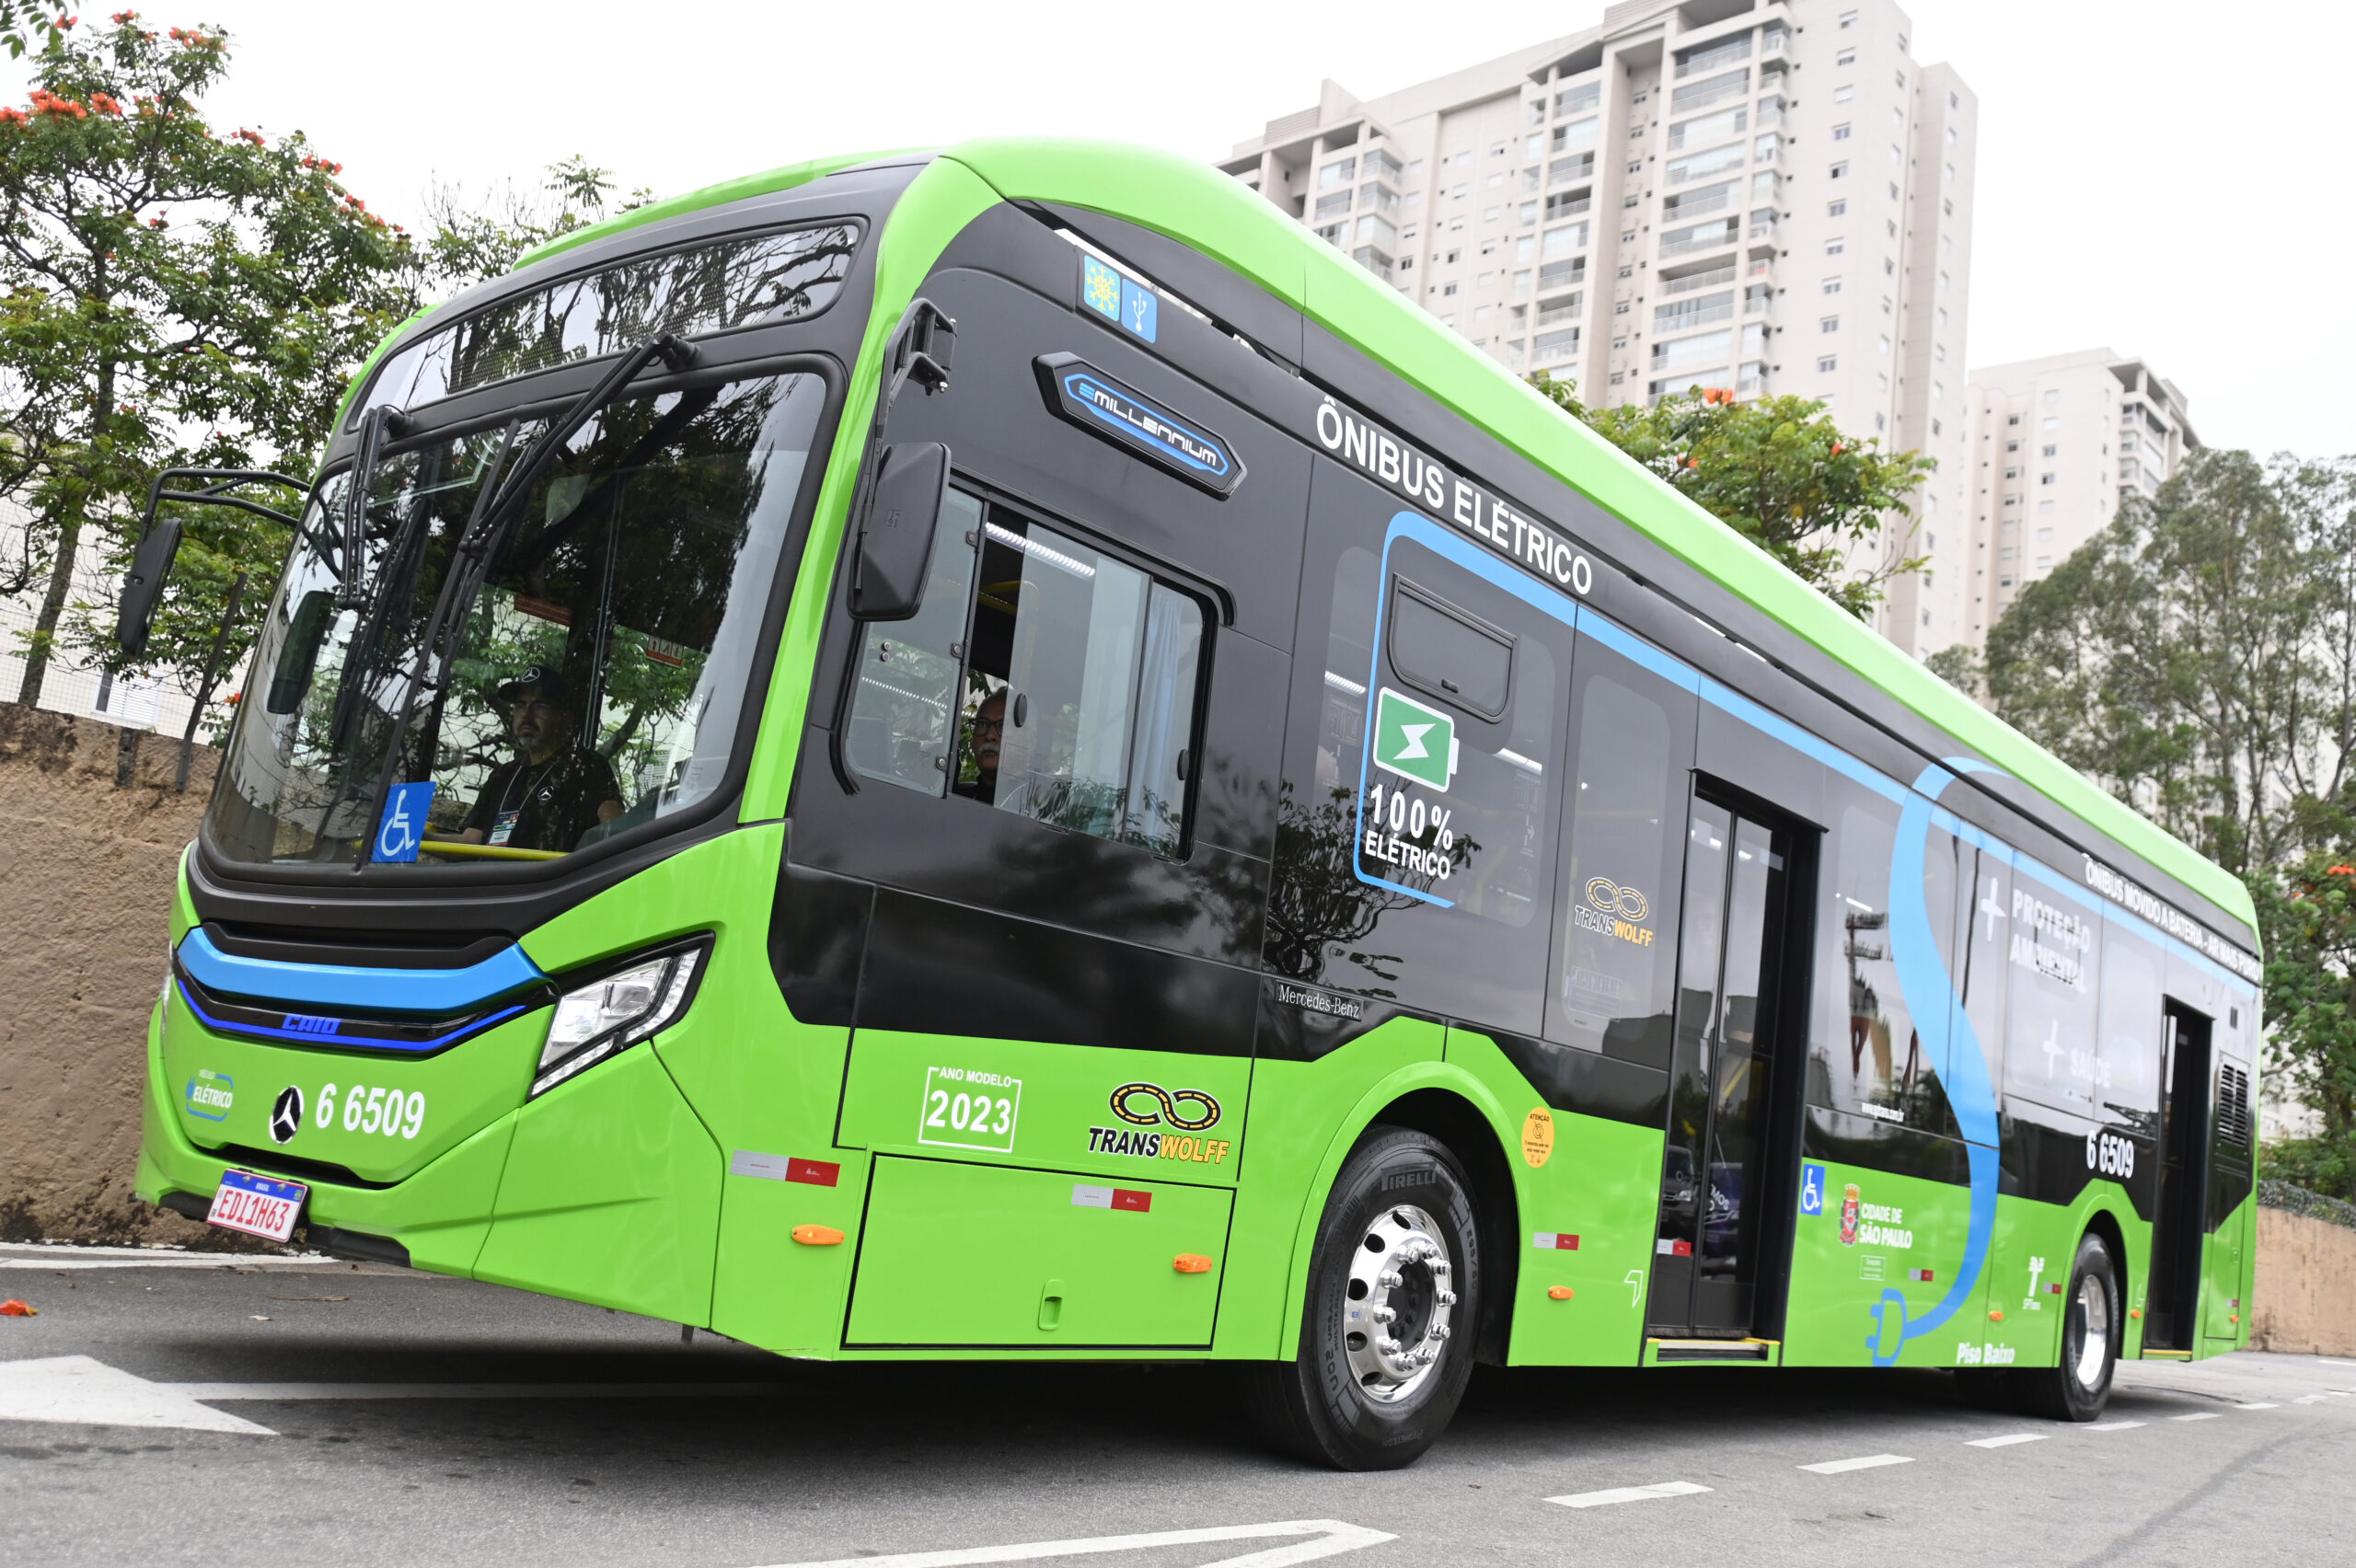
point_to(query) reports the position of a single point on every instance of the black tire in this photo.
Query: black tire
(1345, 1401)
(2092, 1322)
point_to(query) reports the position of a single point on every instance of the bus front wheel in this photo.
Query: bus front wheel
(1388, 1330)
(2092, 1321)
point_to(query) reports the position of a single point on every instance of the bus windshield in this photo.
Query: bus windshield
(591, 684)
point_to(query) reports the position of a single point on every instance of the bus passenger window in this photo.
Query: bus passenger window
(1614, 982)
(1449, 653)
(1078, 700)
(900, 720)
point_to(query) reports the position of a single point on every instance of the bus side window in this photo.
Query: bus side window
(902, 727)
(1615, 973)
(1080, 688)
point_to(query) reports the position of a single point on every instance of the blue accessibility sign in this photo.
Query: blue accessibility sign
(402, 827)
(1811, 1189)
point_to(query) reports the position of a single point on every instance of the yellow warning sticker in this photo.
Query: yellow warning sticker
(1538, 1136)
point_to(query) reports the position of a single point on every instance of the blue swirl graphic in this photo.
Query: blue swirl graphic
(1947, 1036)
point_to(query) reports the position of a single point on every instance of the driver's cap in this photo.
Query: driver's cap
(547, 677)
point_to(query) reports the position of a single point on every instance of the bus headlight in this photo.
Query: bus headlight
(618, 1010)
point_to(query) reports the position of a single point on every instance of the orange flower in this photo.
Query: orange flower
(2341, 872)
(1836, 449)
(106, 103)
(253, 136)
(15, 117)
(120, 18)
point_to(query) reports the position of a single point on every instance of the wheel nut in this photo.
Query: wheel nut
(1446, 1298)
(1389, 1279)
(1382, 1314)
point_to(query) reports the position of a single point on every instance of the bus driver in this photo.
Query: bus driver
(554, 789)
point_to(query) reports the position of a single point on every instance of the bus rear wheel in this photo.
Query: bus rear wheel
(1388, 1330)
(2080, 1386)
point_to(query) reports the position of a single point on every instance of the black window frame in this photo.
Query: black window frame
(1208, 600)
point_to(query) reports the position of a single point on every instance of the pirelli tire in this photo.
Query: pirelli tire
(1387, 1335)
(2092, 1321)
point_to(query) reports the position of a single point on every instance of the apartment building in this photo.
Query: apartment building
(1772, 196)
(2058, 445)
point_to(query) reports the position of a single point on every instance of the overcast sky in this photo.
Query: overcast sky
(2142, 168)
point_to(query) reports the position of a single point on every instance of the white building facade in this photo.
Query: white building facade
(2057, 445)
(1771, 196)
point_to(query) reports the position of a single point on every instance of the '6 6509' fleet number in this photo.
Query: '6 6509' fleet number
(366, 1110)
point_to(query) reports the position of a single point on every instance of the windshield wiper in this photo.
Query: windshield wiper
(497, 504)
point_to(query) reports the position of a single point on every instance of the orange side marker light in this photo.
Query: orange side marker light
(1997, 1316)
(2134, 1312)
(817, 1236)
(1191, 1262)
(1559, 1293)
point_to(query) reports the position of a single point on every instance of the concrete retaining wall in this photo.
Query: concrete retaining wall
(90, 839)
(2306, 1290)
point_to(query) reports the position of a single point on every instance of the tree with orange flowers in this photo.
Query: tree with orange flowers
(169, 293)
(1779, 472)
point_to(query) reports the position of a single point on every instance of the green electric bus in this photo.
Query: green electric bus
(1000, 753)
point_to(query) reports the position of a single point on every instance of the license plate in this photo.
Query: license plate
(257, 1205)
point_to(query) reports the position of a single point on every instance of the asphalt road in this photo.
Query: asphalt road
(326, 1413)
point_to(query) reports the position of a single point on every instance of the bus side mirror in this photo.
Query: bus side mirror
(142, 586)
(896, 534)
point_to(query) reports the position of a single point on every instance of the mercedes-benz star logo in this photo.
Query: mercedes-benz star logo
(286, 1116)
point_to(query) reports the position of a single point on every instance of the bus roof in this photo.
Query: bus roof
(1194, 204)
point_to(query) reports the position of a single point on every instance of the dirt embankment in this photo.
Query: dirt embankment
(91, 832)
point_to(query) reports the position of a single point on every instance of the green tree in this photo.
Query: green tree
(1778, 471)
(2198, 657)
(2311, 1016)
(169, 295)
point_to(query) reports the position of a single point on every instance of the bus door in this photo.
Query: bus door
(1733, 971)
(2174, 1299)
(2232, 1151)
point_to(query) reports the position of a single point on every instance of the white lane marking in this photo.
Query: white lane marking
(2111, 1426)
(2262, 1404)
(2330, 1361)
(1329, 1537)
(218, 1391)
(2008, 1440)
(1835, 1467)
(79, 1391)
(1629, 1495)
(2336, 1393)
(2198, 1415)
(2308, 1399)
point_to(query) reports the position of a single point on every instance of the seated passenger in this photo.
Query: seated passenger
(985, 732)
(555, 789)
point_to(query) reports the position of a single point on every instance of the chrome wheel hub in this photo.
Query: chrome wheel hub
(1401, 1297)
(2093, 1312)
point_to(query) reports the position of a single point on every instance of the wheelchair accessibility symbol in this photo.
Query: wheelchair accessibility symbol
(402, 827)
(1811, 1189)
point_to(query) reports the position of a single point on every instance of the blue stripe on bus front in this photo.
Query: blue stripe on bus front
(348, 1042)
(348, 988)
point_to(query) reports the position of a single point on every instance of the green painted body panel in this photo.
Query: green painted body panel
(441, 1214)
(1600, 1184)
(463, 1090)
(2225, 1282)
(611, 1195)
(964, 1255)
